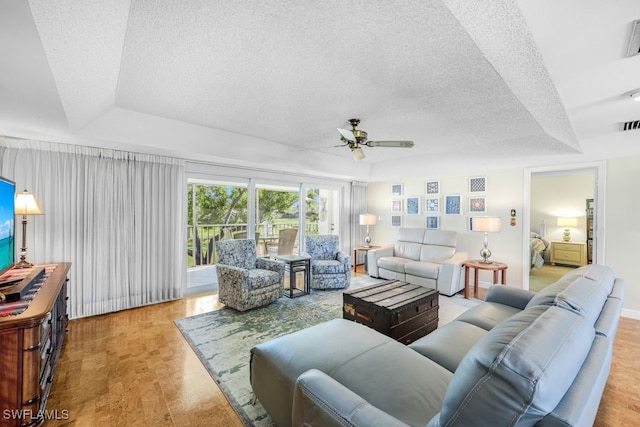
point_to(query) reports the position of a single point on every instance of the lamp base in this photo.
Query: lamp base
(23, 264)
(566, 236)
(485, 253)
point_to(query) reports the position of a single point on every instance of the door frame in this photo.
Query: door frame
(599, 170)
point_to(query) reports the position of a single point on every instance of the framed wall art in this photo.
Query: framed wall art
(433, 187)
(412, 206)
(396, 220)
(432, 205)
(477, 184)
(396, 205)
(432, 222)
(477, 204)
(453, 204)
(396, 190)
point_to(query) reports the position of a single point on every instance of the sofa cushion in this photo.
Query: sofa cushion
(393, 263)
(488, 314)
(428, 270)
(414, 235)
(327, 266)
(448, 345)
(409, 250)
(436, 254)
(417, 384)
(523, 366)
(583, 290)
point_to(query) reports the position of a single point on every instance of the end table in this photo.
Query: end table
(297, 264)
(355, 255)
(479, 265)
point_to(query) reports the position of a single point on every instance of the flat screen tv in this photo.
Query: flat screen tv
(7, 230)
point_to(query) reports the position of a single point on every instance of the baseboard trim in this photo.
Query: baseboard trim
(631, 314)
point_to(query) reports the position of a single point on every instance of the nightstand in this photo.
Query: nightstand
(568, 253)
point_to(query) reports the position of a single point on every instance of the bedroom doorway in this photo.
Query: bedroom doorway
(555, 197)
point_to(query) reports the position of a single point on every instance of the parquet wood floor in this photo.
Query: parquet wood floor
(134, 368)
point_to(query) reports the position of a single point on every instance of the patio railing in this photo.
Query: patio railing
(201, 238)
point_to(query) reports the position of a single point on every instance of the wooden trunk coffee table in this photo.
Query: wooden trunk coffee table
(400, 310)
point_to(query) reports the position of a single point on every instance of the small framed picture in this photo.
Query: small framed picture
(432, 222)
(432, 205)
(396, 190)
(433, 187)
(396, 220)
(477, 204)
(477, 184)
(453, 204)
(396, 205)
(412, 206)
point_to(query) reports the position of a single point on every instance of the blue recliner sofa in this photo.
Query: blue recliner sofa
(517, 359)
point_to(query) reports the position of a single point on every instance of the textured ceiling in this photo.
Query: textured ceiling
(476, 84)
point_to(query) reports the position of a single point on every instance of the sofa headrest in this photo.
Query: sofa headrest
(583, 291)
(523, 366)
(413, 235)
(440, 238)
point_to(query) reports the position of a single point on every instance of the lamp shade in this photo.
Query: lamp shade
(368, 219)
(26, 204)
(567, 222)
(487, 224)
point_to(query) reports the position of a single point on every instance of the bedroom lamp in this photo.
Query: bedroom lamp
(486, 225)
(368, 219)
(566, 223)
(25, 205)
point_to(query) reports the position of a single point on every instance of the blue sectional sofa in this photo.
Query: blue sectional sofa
(517, 359)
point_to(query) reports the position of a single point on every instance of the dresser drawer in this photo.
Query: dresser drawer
(560, 256)
(568, 247)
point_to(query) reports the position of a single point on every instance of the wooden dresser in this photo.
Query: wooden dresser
(568, 253)
(30, 345)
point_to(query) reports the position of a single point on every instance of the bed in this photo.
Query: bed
(538, 246)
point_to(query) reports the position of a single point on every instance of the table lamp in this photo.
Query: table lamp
(566, 223)
(25, 205)
(368, 219)
(486, 225)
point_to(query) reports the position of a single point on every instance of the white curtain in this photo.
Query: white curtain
(118, 217)
(358, 206)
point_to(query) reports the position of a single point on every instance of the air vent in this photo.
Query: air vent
(630, 125)
(634, 43)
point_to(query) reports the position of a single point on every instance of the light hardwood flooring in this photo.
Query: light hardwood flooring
(134, 368)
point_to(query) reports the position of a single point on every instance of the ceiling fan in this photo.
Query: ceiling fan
(356, 138)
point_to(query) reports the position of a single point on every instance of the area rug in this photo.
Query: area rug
(222, 338)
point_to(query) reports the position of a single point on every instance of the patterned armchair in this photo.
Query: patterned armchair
(244, 280)
(330, 268)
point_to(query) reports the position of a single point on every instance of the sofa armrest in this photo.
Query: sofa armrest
(508, 295)
(229, 275)
(372, 258)
(270, 264)
(343, 258)
(320, 400)
(450, 275)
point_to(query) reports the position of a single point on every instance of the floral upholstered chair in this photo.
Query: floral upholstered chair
(330, 268)
(244, 280)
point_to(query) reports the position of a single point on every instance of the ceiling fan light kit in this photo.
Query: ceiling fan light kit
(356, 138)
(635, 95)
(358, 153)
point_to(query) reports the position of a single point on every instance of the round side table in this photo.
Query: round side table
(477, 265)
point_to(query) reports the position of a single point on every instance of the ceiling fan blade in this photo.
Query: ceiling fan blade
(396, 144)
(347, 134)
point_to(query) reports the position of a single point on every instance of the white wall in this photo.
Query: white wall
(621, 235)
(622, 227)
